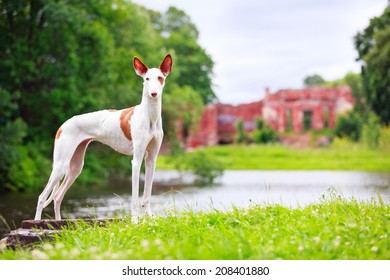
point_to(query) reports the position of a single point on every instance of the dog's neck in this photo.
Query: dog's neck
(152, 106)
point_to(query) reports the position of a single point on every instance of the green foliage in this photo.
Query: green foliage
(60, 59)
(373, 46)
(334, 229)
(30, 172)
(241, 136)
(359, 126)
(184, 104)
(384, 138)
(314, 80)
(203, 165)
(371, 131)
(263, 133)
(12, 131)
(354, 81)
(194, 65)
(349, 125)
(342, 154)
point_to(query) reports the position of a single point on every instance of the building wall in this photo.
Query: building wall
(296, 110)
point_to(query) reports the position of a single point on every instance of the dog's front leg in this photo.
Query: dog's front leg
(138, 154)
(136, 168)
(150, 166)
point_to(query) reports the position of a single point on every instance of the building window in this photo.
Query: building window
(289, 120)
(326, 118)
(307, 120)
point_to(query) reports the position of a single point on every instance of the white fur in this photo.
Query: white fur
(105, 126)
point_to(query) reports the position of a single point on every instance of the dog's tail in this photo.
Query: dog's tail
(53, 192)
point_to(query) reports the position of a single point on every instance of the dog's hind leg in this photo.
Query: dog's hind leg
(75, 166)
(57, 173)
(64, 148)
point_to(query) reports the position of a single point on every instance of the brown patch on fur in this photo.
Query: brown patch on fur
(125, 122)
(58, 134)
(161, 80)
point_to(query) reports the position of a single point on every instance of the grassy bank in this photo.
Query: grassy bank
(340, 156)
(333, 229)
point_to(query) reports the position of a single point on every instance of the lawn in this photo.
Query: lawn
(339, 156)
(335, 228)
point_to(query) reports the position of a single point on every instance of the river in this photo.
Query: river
(175, 191)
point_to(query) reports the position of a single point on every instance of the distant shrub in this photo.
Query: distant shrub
(263, 133)
(384, 138)
(241, 136)
(204, 166)
(371, 131)
(348, 126)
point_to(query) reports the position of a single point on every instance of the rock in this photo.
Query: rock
(36, 231)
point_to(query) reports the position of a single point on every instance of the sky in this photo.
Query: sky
(275, 44)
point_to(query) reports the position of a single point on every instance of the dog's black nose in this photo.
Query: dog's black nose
(153, 94)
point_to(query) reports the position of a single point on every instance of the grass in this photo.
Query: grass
(335, 228)
(340, 156)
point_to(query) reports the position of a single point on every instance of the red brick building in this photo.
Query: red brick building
(300, 110)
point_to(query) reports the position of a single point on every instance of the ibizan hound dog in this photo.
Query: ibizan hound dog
(134, 131)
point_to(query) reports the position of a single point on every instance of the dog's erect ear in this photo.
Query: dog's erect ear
(166, 65)
(139, 67)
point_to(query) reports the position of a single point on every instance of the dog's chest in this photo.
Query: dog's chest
(144, 130)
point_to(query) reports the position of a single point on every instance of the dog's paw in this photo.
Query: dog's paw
(148, 210)
(134, 219)
(150, 214)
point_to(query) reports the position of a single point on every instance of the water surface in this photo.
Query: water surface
(175, 191)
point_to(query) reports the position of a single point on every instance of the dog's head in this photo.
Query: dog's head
(154, 78)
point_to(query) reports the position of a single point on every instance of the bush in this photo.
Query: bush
(371, 131)
(384, 138)
(203, 165)
(263, 134)
(241, 136)
(29, 173)
(349, 126)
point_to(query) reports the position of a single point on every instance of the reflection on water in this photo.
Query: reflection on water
(235, 188)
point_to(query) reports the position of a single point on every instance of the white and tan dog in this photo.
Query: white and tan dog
(134, 131)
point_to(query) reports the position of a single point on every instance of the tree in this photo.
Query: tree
(181, 103)
(371, 131)
(12, 131)
(193, 67)
(373, 46)
(314, 80)
(56, 61)
(63, 58)
(354, 81)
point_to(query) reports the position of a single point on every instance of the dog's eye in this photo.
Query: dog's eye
(147, 79)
